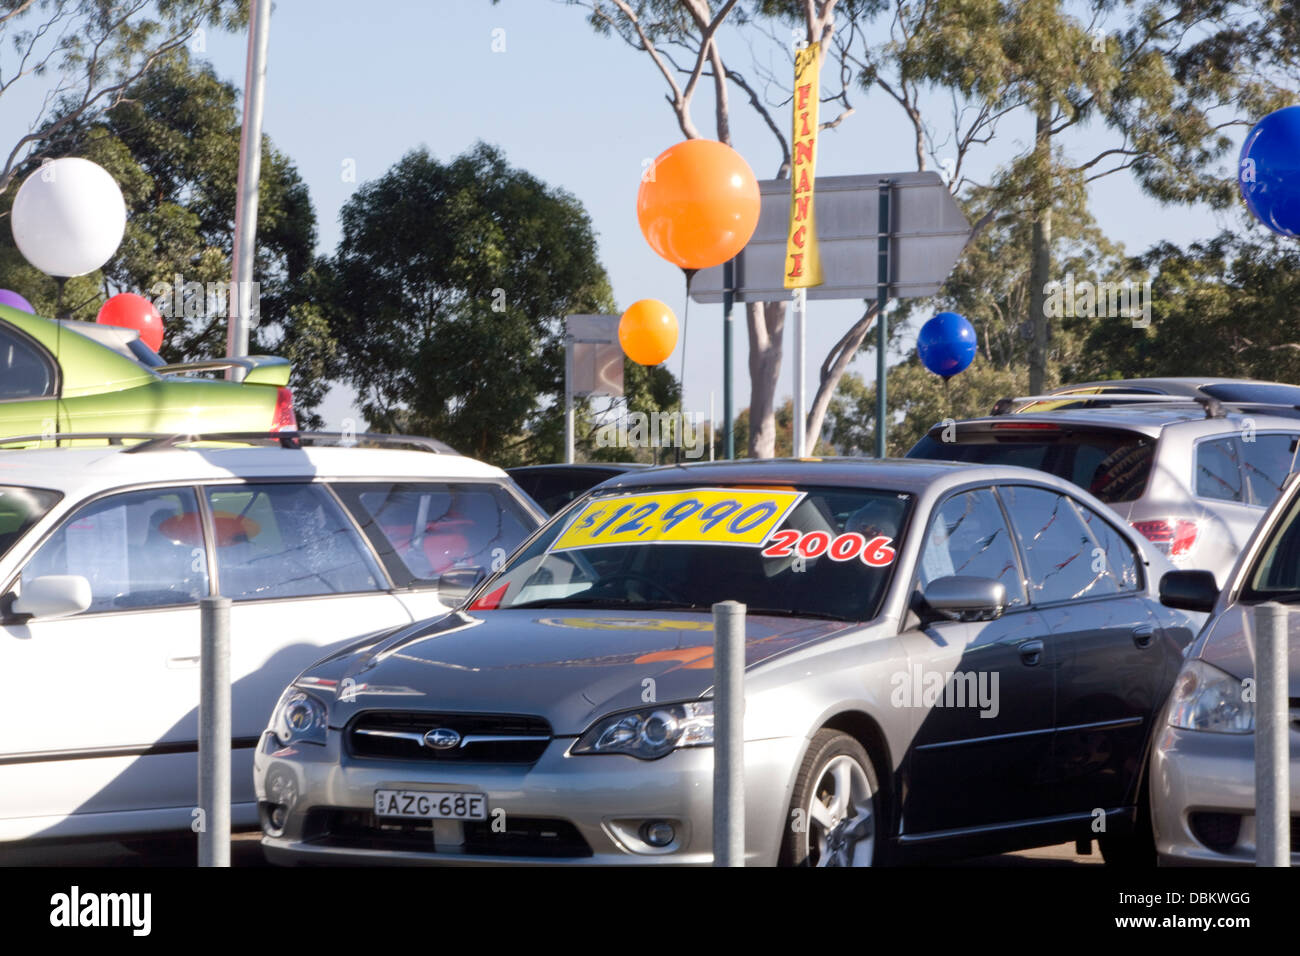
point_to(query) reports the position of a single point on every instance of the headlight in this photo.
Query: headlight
(299, 718)
(1205, 698)
(651, 733)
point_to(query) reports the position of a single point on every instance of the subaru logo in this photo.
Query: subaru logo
(441, 738)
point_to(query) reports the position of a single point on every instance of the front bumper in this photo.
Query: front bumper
(561, 809)
(1203, 798)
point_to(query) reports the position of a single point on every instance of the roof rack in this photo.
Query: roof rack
(156, 441)
(1212, 407)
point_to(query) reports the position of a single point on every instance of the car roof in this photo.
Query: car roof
(84, 470)
(1184, 384)
(1148, 419)
(579, 466)
(910, 475)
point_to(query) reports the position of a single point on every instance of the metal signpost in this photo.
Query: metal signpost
(1272, 729)
(906, 225)
(214, 732)
(593, 365)
(729, 734)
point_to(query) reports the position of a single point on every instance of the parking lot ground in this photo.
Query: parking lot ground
(246, 851)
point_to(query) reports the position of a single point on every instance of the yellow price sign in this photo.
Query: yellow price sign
(695, 516)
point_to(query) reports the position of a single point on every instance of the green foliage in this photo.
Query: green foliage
(452, 281)
(1226, 307)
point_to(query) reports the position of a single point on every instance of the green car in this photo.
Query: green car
(71, 376)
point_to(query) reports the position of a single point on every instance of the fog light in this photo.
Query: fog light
(658, 833)
(279, 814)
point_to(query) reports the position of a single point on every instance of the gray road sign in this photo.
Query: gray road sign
(927, 231)
(597, 357)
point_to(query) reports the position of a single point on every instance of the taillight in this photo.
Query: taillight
(283, 419)
(1175, 537)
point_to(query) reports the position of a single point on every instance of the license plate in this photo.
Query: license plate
(431, 805)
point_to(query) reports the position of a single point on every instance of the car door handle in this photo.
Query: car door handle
(191, 660)
(1143, 635)
(1031, 652)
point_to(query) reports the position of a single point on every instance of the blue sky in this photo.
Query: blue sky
(368, 82)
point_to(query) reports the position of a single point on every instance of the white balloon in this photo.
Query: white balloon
(69, 217)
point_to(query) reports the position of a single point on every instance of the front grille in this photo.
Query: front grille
(521, 836)
(372, 735)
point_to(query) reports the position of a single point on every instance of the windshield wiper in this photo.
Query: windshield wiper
(795, 612)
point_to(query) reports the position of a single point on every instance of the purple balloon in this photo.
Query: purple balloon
(15, 301)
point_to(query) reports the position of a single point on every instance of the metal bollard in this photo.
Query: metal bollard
(214, 732)
(729, 734)
(1272, 760)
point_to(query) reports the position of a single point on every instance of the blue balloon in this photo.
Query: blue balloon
(946, 344)
(1268, 172)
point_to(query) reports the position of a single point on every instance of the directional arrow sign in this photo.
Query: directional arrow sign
(927, 233)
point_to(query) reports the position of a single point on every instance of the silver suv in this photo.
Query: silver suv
(1194, 478)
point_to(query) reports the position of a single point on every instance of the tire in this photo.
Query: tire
(818, 831)
(1135, 850)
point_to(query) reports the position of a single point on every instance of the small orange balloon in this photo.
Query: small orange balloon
(698, 204)
(648, 332)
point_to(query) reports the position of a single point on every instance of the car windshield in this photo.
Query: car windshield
(1276, 575)
(806, 551)
(20, 508)
(1112, 464)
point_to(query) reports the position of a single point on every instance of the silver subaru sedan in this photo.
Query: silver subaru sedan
(942, 660)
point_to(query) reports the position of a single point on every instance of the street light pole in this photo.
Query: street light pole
(244, 248)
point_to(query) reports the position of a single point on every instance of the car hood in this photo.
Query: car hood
(569, 666)
(1230, 645)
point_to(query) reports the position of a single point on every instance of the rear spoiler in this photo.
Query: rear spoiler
(258, 369)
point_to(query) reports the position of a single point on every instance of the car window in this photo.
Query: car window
(1276, 574)
(20, 508)
(1112, 464)
(1218, 469)
(287, 540)
(815, 551)
(1112, 547)
(1059, 550)
(1266, 460)
(432, 527)
(25, 372)
(968, 535)
(138, 549)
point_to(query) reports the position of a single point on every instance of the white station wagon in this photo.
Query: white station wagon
(105, 552)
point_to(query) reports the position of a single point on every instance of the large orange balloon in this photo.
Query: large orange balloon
(648, 332)
(698, 204)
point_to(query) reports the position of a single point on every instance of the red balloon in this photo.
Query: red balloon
(698, 205)
(131, 311)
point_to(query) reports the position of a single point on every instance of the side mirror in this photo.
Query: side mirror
(1189, 590)
(459, 581)
(962, 597)
(53, 595)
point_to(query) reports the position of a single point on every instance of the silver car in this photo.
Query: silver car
(942, 660)
(1194, 480)
(1203, 754)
